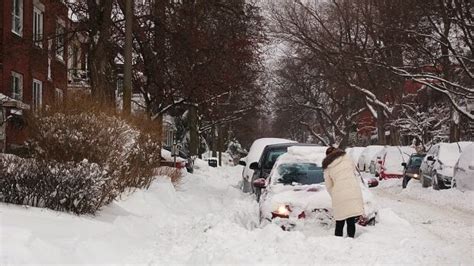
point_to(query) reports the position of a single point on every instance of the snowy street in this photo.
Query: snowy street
(208, 220)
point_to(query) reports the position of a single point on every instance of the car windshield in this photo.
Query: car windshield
(300, 173)
(415, 161)
(271, 158)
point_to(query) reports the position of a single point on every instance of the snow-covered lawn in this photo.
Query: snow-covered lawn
(207, 220)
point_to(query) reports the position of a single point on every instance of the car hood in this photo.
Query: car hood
(300, 197)
(413, 170)
(306, 198)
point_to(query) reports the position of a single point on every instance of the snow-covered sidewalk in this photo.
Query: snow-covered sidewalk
(208, 220)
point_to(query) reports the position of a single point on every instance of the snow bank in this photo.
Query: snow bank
(451, 198)
(208, 221)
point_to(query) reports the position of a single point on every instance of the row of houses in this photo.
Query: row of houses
(41, 63)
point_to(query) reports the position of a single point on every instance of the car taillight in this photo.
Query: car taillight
(180, 165)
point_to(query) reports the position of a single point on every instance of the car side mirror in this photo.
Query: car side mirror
(243, 163)
(259, 183)
(404, 165)
(254, 166)
(430, 158)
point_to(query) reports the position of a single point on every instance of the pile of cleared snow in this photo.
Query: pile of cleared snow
(207, 221)
(452, 198)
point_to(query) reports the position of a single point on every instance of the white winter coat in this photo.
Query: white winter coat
(344, 187)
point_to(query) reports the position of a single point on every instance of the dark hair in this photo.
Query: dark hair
(329, 150)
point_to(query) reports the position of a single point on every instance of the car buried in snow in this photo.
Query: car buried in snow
(295, 192)
(268, 158)
(437, 168)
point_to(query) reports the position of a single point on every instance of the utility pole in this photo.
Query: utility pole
(127, 80)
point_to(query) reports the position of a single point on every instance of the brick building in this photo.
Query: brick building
(33, 56)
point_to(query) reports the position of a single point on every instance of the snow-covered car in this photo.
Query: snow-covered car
(390, 165)
(355, 153)
(167, 159)
(375, 165)
(269, 156)
(366, 156)
(185, 156)
(437, 168)
(464, 169)
(295, 191)
(254, 155)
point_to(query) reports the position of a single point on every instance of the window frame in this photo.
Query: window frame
(60, 49)
(17, 5)
(37, 102)
(19, 77)
(38, 27)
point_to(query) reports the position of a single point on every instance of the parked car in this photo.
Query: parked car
(295, 190)
(254, 155)
(268, 158)
(376, 163)
(364, 160)
(189, 160)
(390, 165)
(355, 153)
(168, 160)
(464, 169)
(437, 168)
(412, 168)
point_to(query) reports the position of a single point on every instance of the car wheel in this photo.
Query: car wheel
(405, 182)
(434, 181)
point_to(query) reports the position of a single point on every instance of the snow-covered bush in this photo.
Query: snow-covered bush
(81, 154)
(76, 187)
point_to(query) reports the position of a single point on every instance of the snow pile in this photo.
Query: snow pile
(208, 221)
(451, 198)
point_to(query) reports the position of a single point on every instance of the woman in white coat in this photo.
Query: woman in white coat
(344, 188)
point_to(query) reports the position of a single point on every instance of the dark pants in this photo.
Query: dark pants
(351, 229)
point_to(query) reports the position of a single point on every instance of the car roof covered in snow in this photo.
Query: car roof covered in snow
(259, 145)
(315, 154)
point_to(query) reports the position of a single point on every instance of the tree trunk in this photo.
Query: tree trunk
(380, 126)
(214, 141)
(193, 131)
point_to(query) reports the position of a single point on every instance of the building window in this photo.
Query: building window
(38, 27)
(37, 94)
(17, 86)
(60, 41)
(17, 16)
(58, 95)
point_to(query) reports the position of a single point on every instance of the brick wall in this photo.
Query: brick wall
(19, 54)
